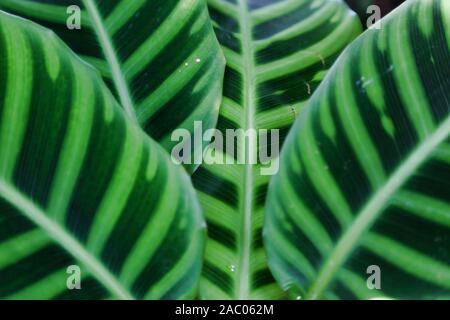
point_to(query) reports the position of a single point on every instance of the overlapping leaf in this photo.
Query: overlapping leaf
(365, 178)
(159, 57)
(81, 184)
(277, 53)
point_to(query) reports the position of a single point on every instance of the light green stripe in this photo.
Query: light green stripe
(306, 58)
(409, 260)
(151, 237)
(443, 153)
(446, 19)
(371, 81)
(424, 206)
(101, 65)
(13, 121)
(289, 253)
(45, 288)
(277, 9)
(315, 20)
(231, 110)
(75, 146)
(220, 256)
(208, 103)
(358, 285)
(122, 14)
(210, 289)
(307, 222)
(42, 11)
(21, 246)
(225, 7)
(410, 88)
(176, 82)
(168, 281)
(318, 171)
(282, 116)
(218, 212)
(119, 190)
(268, 292)
(355, 129)
(167, 30)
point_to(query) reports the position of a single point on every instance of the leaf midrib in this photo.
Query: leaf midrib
(107, 45)
(249, 93)
(374, 208)
(30, 210)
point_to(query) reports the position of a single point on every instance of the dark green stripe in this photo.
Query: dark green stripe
(131, 225)
(102, 159)
(134, 33)
(226, 191)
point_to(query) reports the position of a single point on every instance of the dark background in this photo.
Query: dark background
(360, 6)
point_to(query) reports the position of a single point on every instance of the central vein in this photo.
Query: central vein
(249, 107)
(110, 55)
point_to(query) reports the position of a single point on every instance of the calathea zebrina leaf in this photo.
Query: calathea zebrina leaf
(361, 206)
(82, 188)
(277, 53)
(159, 57)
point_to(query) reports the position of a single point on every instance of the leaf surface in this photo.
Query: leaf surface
(159, 57)
(277, 53)
(81, 184)
(365, 170)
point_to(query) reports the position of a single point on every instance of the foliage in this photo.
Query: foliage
(365, 171)
(87, 116)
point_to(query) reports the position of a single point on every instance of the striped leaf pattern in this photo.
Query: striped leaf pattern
(81, 184)
(365, 178)
(159, 57)
(277, 53)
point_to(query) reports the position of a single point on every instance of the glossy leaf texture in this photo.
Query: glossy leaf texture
(277, 53)
(159, 57)
(81, 184)
(365, 173)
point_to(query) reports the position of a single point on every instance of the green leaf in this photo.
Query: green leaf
(159, 57)
(365, 178)
(81, 184)
(277, 53)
